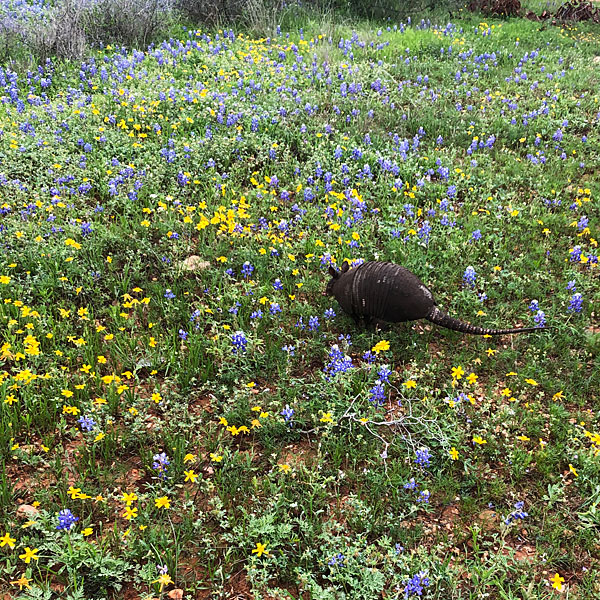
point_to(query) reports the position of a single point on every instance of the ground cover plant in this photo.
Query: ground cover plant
(182, 411)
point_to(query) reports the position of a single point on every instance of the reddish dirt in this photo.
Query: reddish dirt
(130, 593)
(301, 454)
(202, 404)
(237, 587)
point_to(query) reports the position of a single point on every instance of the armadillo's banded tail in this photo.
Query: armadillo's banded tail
(441, 318)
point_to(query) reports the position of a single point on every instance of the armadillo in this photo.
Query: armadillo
(384, 291)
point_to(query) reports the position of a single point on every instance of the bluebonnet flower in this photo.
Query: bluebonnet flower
(329, 313)
(287, 413)
(183, 334)
(289, 349)
(169, 294)
(161, 464)
(446, 221)
(195, 319)
(576, 304)
(86, 228)
(239, 342)
(86, 423)
(571, 286)
(476, 235)
(308, 194)
(414, 586)
(337, 560)
(277, 285)
(257, 314)
(575, 254)
(534, 306)
(518, 513)
(338, 363)
(424, 231)
(384, 373)
(582, 223)
(313, 323)
(423, 457)
(411, 485)
(424, 496)
(247, 269)
(540, 318)
(274, 308)
(66, 519)
(377, 393)
(368, 357)
(469, 276)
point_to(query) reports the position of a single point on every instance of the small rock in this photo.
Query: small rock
(194, 263)
(176, 594)
(27, 511)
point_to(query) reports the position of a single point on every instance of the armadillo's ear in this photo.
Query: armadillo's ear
(333, 272)
(345, 266)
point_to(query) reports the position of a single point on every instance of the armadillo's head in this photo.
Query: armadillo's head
(335, 275)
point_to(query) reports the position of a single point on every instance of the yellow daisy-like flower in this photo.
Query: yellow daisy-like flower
(21, 582)
(457, 372)
(260, 550)
(191, 476)
(129, 498)
(6, 540)
(162, 502)
(557, 582)
(472, 378)
(74, 492)
(326, 418)
(164, 579)
(130, 513)
(381, 346)
(29, 555)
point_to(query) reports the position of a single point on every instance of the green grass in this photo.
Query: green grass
(272, 158)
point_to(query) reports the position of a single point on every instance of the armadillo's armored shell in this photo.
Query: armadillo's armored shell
(384, 291)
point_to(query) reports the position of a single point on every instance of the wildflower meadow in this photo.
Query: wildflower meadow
(185, 414)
